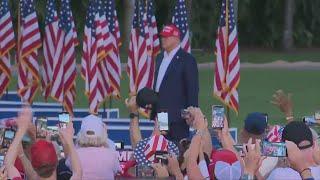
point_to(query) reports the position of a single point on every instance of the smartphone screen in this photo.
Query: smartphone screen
(26, 139)
(119, 145)
(273, 149)
(160, 158)
(309, 120)
(239, 150)
(8, 137)
(41, 124)
(144, 172)
(163, 121)
(64, 119)
(266, 115)
(317, 115)
(217, 116)
(1, 160)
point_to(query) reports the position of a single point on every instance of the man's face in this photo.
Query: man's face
(168, 42)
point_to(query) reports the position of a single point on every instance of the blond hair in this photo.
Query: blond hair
(95, 141)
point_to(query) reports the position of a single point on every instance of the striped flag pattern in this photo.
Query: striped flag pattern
(227, 68)
(7, 42)
(156, 143)
(154, 40)
(50, 42)
(138, 50)
(113, 56)
(180, 20)
(103, 48)
(30, 41)
(64, 71)
(89, 60)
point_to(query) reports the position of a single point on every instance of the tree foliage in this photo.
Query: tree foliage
(260, 23)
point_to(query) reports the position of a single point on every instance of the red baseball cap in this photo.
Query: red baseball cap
(43, 154)
(224, 164)
(170, 30)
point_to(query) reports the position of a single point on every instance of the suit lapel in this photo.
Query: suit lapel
(172, 66)
(158, 63)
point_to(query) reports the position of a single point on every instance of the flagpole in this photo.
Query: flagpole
(104, 108)
(19, 25)
(110, 102)
(226, 54)
(228, 116)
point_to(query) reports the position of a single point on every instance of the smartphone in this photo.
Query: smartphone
(217, 116)
(160, 158)
(53, 130)
(163, 121)
(26, 139)
(8, 137)
(185, 114)
(119, 145)
(266, 115)
(317, 115)
(239, 150)
(2, 134)
(1, 160)
(145, 172)
(41, 124)
(273, 149)
(64, 119)
(309, 120)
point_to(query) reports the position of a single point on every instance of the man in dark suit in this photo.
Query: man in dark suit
(176, 81)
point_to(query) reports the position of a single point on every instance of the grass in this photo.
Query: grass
(252, 56)
(256, 89)
(263, 56)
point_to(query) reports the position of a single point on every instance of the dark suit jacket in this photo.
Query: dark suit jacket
(179, 89)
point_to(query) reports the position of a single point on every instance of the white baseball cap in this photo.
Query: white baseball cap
(92, 126)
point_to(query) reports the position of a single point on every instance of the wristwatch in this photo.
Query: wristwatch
(199, 132)
(247, 177)
(133, 115)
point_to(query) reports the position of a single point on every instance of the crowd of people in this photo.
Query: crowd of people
(169, 154)
(92, 154)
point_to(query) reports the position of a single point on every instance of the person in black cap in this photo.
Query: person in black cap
(300, 134)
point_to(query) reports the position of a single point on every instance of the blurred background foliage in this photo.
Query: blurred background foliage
(260, 23)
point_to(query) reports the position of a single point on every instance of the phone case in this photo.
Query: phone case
(217, 116)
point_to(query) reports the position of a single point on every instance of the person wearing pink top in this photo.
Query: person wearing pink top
(98, 161)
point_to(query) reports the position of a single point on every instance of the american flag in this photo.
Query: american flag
(154, 39)
(64, 71)
(103, 40)
(50, 42)
(6, 44)
(180, 20)
(102, 31)
(138, 50)
(227, 69)
(156, 143)
(30, 41)
(113, 57)
(89, 60)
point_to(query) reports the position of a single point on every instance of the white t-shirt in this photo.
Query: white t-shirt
(290, 174)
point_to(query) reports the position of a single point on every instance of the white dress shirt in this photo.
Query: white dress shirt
(164, 66)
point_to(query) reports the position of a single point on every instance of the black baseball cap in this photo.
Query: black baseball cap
(146, 96)
(297, 132)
